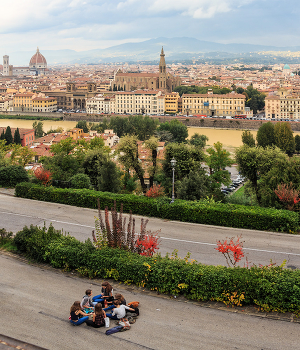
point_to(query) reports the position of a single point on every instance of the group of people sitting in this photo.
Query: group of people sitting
(100, 306)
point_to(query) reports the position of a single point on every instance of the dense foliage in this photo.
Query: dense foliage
(199, 212)
(269, 287)
(11, 175)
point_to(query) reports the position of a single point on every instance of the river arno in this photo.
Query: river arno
(230, 138)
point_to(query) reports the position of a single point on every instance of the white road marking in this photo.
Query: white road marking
(165, 238)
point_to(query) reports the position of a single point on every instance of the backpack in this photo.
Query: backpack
(113, 330)
(134, 304)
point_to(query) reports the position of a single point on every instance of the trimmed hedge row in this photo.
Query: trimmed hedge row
(271, 288)
(229, 215)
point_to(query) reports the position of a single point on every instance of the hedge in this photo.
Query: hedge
(229, 215)
(271, 288)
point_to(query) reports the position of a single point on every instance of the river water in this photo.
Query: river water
(230, 138)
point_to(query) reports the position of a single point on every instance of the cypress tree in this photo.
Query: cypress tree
(8, 136)
(17, 137)
(2, 136)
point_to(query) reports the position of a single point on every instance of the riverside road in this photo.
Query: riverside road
(35, 299)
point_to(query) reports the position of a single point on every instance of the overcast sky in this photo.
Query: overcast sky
(90, 24)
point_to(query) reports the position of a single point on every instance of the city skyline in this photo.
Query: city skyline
(93, 24)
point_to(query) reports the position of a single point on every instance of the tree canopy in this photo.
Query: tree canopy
(176, 128)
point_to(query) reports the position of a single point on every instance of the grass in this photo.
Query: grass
(239, 197)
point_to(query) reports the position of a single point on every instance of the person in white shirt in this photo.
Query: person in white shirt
(119, 311)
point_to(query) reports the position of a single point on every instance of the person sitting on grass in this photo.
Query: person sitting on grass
(119, 311)
(86, 302)
(98, 317)
(75, 313)
(119, 297)
(106, 294)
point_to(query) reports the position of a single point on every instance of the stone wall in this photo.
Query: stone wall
(242, 124)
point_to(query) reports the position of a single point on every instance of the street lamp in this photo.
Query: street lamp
(173, 163)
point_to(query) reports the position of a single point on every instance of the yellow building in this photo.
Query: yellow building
(44, 104)
(23, 102)
(171, 103)
(213, 104)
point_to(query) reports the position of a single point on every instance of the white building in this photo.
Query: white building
(100, 104)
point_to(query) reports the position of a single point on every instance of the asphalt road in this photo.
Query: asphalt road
(35, 304)
(200, 240)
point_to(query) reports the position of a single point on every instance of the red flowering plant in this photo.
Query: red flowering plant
(232, 250)
(148, 244)
(155, 191)
(288, 195)
(43, 175)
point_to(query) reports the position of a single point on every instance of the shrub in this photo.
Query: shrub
(12, 175)
(272, 288)
(80, 181)
(219, 214)
(42, 175)
(155, 191)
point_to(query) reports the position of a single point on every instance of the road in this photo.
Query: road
(200, 240)
(35, 304)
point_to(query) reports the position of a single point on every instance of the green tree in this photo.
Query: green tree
(297, 143)
(17, 137)
(217, 160)
(188, 158)
(129, 157)
(248, 139)
(255, 162)
(80, 181)
(176, 128)
(66, 161)
(254, 99)
(164, 136)
(93, 161)
(21, 155)
(12, 175)
(283, 171)
(284, 138)
(2, 136)
(109, 177)
(199, 140)
(38, 129)
(265, 135)
(8, 136)
(82, 124)
(194, 186)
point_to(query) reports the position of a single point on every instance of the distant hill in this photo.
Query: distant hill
(149, 50)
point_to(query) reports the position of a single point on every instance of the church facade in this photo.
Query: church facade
(150, 81)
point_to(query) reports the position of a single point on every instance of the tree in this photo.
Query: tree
(129, 156)
(2, 137)
(17, 137)
(101, 170)
(176, 128)
(248, 139)
(38, 129)
(194, 186)
(12, 175)
(109, 177)
(265, 135)
(255, 162)
(283, 171)
(66, 161)
(217, 160)
(80, 181)
(254, 99)
(21, 155)
(164, 136)
(198, 140)
(8, 136)
(284, 138)
(297, 143)
(82, 124)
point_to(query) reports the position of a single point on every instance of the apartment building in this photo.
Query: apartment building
(23, 102)
(282, 105)
(213, 104)
(171, 102)
(100, 104)
(44, 104)
(137, 102)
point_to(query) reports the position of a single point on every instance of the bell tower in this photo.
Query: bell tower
(162, 71)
